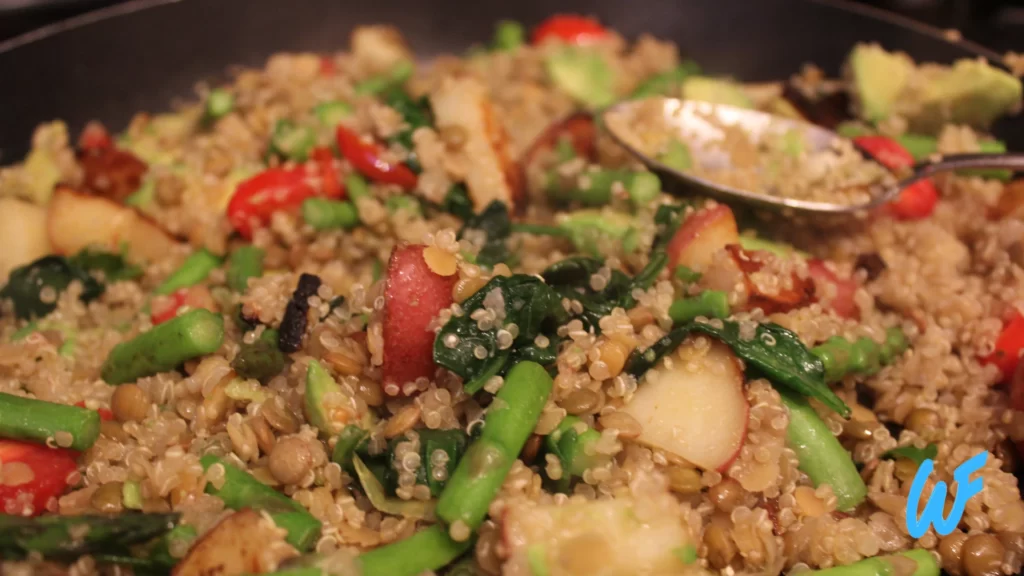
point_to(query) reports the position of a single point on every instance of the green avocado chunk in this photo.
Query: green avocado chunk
(582, 74)
(878, 79)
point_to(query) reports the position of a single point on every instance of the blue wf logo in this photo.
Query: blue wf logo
(966, 488)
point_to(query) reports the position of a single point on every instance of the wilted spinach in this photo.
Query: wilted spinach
(534, 307)
(457, 202)
(416, 113)
(774, 352)
(112, 266)
(913, 453)
(25, 285)
(667, 220)
(495, 224)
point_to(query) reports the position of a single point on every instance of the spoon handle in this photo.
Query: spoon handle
(1008, 161)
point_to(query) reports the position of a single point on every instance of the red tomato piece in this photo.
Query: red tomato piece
(825, 281)
(1008, 346)
(569, 28)
(94, 137)
(28, 489)
(105, 414)
(170, 308)
(327, 66)
(414, 296)
(366, 158)
(914, 202)
(330, 182)
(257, 198)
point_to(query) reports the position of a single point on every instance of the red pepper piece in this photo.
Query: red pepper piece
(569, 28)
(94, 137)
(257, 198)
(366, 158)
(105, 414)
(1008, 346)
(842, 302)
(327, 66)
(27, 490)
(170, 308)
(330, 182)
(914, 202)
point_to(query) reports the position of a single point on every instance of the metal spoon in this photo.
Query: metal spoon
(699, 123)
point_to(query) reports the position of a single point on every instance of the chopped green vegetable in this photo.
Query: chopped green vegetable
(841, 358)
(322, 394)
(685, 274)
(378, 84)
(165, 347)
(709, 303)
(106, 266)
(507, 425)
(349, 440)
(425, 551)
(913, 453)
(508, 35)
(291, 141)
(755, 243)
(131, 495)
(418, 509)
(821, 456)
(44, 422)
(884, 566)
(597, 187)
(686, 554)
(677, 156)
(35, 287)
(457, 202)
(219, 103)
(69, 537)
(666, 83)
(192, 271)
(332, 112)
(536, 557)
(416, 114)
(583, 74)
(403, 203)
(574, 449)
(357, 187)
(244, 263)
(495, 225)
(260, 360)
(326, 214)
(596, 231)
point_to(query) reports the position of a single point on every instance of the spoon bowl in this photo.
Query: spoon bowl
(700, 126)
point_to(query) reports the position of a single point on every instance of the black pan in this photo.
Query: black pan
(142, 55)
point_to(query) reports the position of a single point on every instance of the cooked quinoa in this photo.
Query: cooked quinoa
(349, 315)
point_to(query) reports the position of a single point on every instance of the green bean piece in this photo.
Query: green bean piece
(488, 460)
(377, 84)
(885, 566)
(244, 263)
(709, 303)
(303, 528)
(219, 103)
(821, 456)
(164, 347)
(424, 551)
(192, 271)
(331, 113)
(357, 187)
(325, 214)
(44, 422)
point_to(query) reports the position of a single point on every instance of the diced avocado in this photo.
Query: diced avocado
(144, 196)
(878, 78)
(716, 91)
(589, 229)
(331, 113)
(326, 403)
(970, 92)
(676, 156)
(42, 173)
(582, 74)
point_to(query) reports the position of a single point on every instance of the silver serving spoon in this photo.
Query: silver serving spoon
(699, 123)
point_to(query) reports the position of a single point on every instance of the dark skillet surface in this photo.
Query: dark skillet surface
(125, 59)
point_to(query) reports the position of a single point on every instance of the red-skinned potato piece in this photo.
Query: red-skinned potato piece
(832, 291)
(797, 293)
(701, 236)
(75, 221)
(33, 475)
(700, 415)
(414, 295)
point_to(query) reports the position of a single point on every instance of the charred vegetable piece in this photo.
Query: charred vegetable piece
(244, 542)
(244, 263)
(821, 455)
(192, 271)
(28, 419)
(26, 285)
(261, 360)
(488, 460)
(68, 537)
(293, 325)
(165, 347)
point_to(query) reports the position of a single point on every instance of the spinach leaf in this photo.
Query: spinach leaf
(113, 266)
(667, 220)
(774, 352)
(416, 113)
(457, 202)
(918, 455)
(495, 224)
(56, 272)
(533, 306)
(74, 536)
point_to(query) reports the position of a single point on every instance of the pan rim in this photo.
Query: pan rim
(118, 10)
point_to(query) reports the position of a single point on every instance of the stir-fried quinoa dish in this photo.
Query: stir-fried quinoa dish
(350, 314)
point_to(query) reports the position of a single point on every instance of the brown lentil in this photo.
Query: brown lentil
(107, 498)
(290, 460)
(951, 552)
(922, 420)
(403, 421)
(581, 401)
(130, 403)
(982, 555)
(726, 495)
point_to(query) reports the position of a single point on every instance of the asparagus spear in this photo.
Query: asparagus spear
(709, 303)
(245, 262)
(195, 333)
(261, 360)
(509, 422)
(36, 420)
(864, 356)
(73, 536)
(194, 270)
